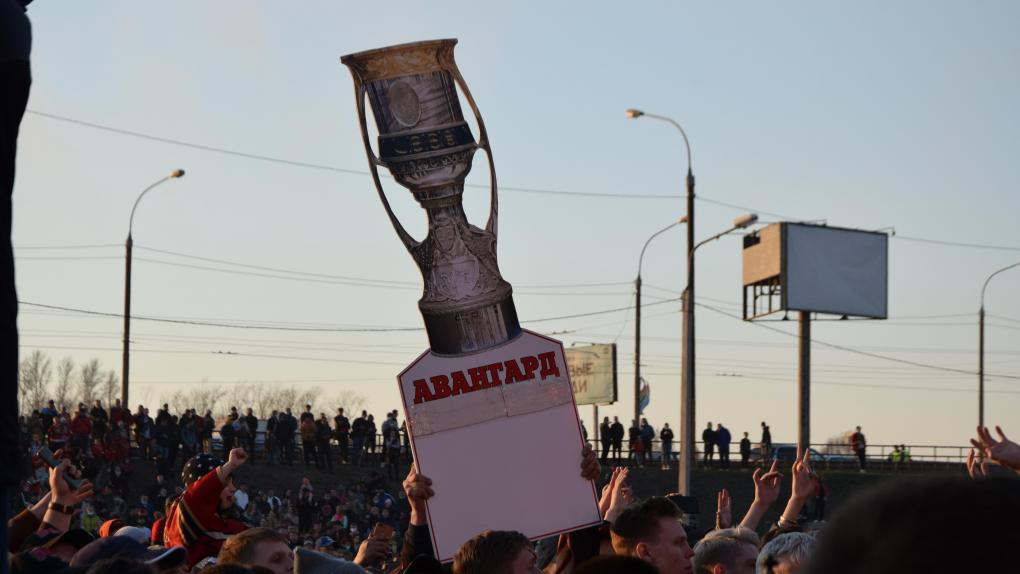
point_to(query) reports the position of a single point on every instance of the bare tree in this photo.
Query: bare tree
(65, 375)
(351, 401)
(34, 378)
(111, 388)
(200, 397)
(90, 376)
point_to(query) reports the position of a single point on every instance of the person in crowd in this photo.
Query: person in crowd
(605, 439)
(745, 450)
(722, 441)
(391, 442)
(666, 438)
(647, 438)
(271, 445)
(617, 438)
(727, 551)
(251, 422)
(308, 440)
(709, 440)
(652, 531)
(358, 430)
(785, 554)
(496, 552)
(371, 432)
(307, 414)
(858, 444)
(201, 519)
(59, 433)
(81, 430)
(100, 420)
(342, 429)
(766, 444)
(634, 445)
(285, 438)
(323, 434)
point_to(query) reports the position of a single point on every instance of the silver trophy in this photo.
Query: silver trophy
(427, 146)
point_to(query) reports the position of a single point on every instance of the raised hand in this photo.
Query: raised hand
(237, 457)
(977, 464)
(766, 491)
(621, 496)
(724, 514)
(607, 492)
(418, 489)
(372, 551)
(1004, 451)
(590, 468)
(766, 485)
(803, 486)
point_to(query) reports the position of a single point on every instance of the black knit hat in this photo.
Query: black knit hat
(199, 466)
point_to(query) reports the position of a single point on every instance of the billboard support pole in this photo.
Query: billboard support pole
(595, 427)
(804, 383)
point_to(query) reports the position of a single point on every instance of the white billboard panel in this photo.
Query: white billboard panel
(834, 270)
(593, 374)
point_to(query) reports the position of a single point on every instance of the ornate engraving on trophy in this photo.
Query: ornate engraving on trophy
(427, 146)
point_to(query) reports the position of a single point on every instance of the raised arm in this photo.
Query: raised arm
(801, 489)
(766, 491)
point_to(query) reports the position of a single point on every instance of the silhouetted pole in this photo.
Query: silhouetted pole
(126, 360)
(981, 346)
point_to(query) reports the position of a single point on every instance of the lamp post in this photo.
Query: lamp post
(687, 359)
(981, 346)
(126, 361)
(637, 319)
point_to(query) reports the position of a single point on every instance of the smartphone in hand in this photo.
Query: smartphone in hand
(382, 532)
(47, 456)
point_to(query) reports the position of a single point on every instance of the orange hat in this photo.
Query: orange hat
(110, 527)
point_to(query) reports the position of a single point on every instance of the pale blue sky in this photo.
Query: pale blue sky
(868, 115)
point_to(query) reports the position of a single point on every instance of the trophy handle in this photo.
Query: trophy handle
(373, 164)
(483, 143)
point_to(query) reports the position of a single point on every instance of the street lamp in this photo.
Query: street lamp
(687, 358)
(125, 365)
(637, 319)
(981, 346)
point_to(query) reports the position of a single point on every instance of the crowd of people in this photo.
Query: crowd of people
(210, 521)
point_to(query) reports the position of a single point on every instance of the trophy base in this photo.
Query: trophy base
(476, 329)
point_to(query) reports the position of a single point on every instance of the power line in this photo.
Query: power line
(311, 329)
(324, 167)
(860, 352)
(543, 191)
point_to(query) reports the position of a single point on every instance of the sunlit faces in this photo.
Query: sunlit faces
(275, 555)
(670, 553)
(525, 563)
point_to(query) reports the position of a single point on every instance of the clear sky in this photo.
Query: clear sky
(872, 115)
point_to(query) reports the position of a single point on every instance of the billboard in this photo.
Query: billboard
(816, 268)
(593, 374)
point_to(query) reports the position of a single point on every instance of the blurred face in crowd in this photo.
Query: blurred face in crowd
(275, 555)
(525, 563)
(227, 495)
(670, 553)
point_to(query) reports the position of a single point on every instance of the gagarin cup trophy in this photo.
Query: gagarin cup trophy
(427, 146)
(488, 400)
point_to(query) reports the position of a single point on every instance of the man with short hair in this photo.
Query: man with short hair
(617, 438)
(652, 531)
(496, 552)
(786, 553)
(258, 547)
(708, 438)
(342, 427)
(727, 551)
(722, 440)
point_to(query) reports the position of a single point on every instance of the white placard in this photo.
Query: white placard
(498, 434)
